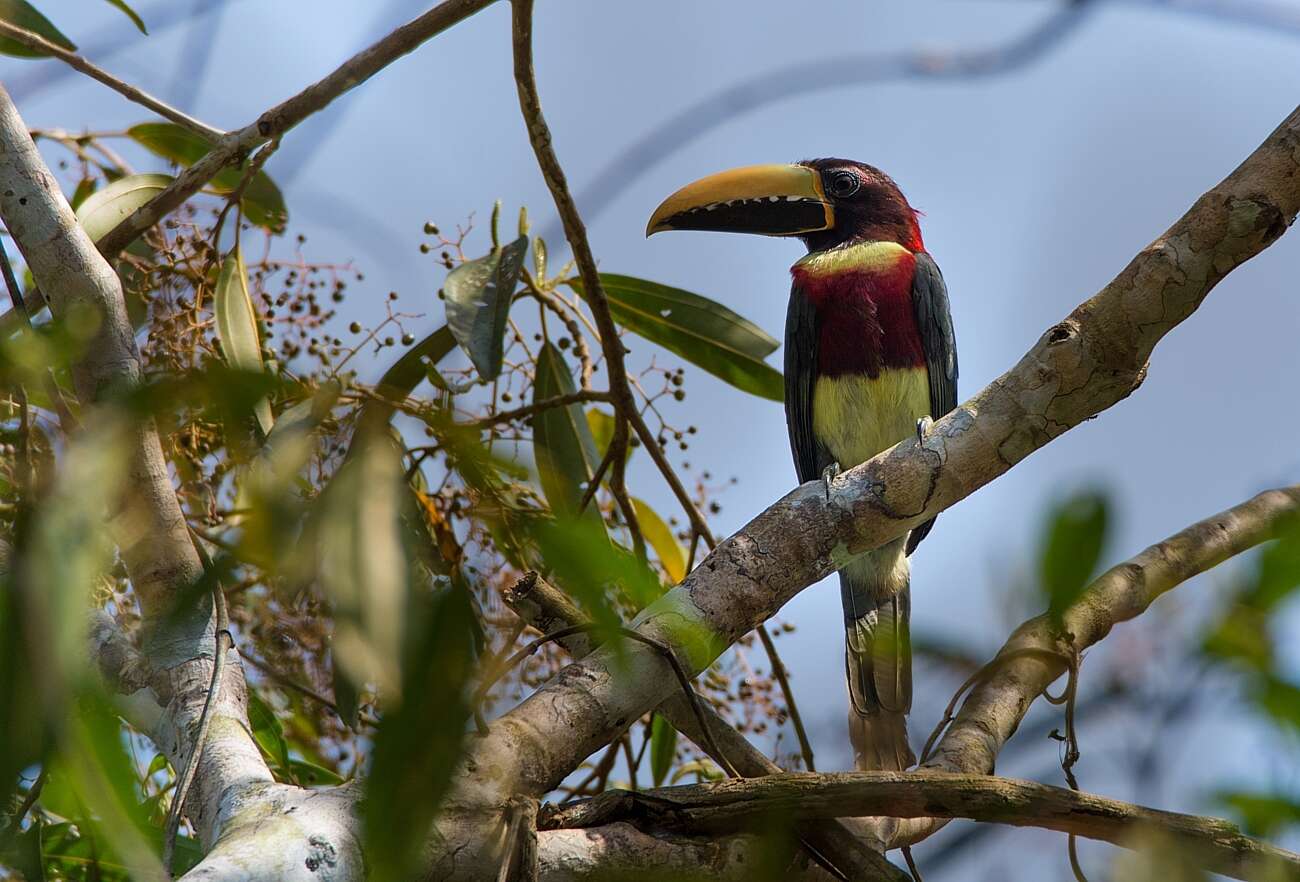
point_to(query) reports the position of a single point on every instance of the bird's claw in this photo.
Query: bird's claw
(829, 474)
(923, 428)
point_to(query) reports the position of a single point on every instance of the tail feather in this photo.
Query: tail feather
(878, 658)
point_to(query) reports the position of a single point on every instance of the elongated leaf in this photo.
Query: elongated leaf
(419, 743)
(405, 374)
(700, 330)
(268, 733)
(106, 208)
(262, 201)
(661, 539)
(309, 774)
(479, 293)
(562, 443)
(85, 188)
(131, 14)
(362, 563)
(22, 14)
(237, 325)
(1071, 547)
(663, 748)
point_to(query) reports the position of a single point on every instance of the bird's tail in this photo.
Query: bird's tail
(878, 657)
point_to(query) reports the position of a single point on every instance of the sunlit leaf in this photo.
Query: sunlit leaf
(309, 774)
(237, 326)
(661, 539)
(479, 293)
(85, 188)
(703, 770)
(1073, 539)
(419, 742)
(131, 14)
(663, 748)
(563, 446)
(22, 14)
(106, 208)
(702, 331)
(582, 561)
(262, 202)
(362, 563)
(268, 733)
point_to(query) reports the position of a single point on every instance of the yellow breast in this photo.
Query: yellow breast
(856, 417)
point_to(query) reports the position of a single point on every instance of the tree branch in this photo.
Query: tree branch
(740, 803)
(139, 96)
(284, 116)
(1094, 358)
(149, 528)
(998, 702)
(853, 847)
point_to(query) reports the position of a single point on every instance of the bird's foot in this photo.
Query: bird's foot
(829, 474)
(923, 428)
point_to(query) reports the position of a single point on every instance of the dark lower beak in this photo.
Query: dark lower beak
(770, 200)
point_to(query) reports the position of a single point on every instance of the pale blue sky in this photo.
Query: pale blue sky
(1038, 185)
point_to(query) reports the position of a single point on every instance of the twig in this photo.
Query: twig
(289, 683)
(700, 528)
(38, 43)
(33, 794)
(521, 413)
(539, 135)
(284, 116)
(224, 642)
(586, 628)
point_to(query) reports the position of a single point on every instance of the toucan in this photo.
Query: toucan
(870, 358)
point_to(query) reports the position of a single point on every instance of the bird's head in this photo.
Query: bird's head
(825, 202)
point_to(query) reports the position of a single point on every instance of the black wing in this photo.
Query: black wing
(800, 375)
(934, 319)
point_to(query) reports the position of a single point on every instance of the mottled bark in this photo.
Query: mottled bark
(742, 803)
(1089, 361)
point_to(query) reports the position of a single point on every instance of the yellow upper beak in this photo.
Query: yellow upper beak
(771, 200)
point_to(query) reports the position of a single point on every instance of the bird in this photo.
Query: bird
(870, 359)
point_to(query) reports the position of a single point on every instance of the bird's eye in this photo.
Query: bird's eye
(844, 184)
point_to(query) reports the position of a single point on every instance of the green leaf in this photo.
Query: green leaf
(268, 733)
(700, 330)
(106, 208)
(347, 698)
(237, 325)
(262, 202)
(131, 14)
(663, 748)
(701, 769)
(1072, 543)
(406, 373)
(479, 293)
(22, 14)
(23, 852)
(1278, 571)
(362, 563)
(563, 446)
(661, 539)
(156, 765)
(309, 774)
(85, 188)
(419, 743)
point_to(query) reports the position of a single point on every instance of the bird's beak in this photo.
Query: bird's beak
(771, 200)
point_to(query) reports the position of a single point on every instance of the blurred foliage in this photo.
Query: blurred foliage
(1074, 537)
(362, 532)
(1244, 638)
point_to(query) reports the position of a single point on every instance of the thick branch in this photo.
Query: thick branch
(992, 712)
(740, 803)
(851, 846)
(149, 527)
(1094, 358)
